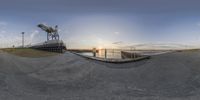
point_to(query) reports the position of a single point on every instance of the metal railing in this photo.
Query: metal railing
(114, 53)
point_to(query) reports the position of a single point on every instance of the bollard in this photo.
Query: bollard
(94, 52)
(105, 53)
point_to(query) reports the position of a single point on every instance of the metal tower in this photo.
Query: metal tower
(52, 33)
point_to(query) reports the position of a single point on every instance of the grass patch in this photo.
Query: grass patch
(27, 52)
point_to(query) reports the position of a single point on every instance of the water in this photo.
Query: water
(116, 54)
(150, 53)
(102, 55)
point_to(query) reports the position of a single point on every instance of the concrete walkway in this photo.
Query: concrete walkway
(171, 76)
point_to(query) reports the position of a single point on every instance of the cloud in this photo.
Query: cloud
(6, 40)
(3, 23)
(116, 33)
(118, 42)
(2, 32)
(33, 34)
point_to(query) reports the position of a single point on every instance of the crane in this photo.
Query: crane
(52, 33)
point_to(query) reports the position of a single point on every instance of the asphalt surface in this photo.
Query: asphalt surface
(171, 76)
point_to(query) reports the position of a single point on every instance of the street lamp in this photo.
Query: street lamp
(22, 39)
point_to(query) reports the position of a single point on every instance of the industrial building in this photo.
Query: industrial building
(53, 42)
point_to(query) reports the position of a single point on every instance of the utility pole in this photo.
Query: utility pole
(22, 39)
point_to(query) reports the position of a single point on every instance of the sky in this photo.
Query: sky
(87, 24)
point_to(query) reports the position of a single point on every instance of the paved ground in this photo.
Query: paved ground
(172, 76)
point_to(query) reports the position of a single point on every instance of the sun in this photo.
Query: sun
(100, 47)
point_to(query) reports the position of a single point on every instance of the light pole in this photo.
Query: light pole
(22, 39)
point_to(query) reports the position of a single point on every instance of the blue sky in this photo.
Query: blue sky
(100, 23)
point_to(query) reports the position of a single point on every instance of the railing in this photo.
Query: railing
(115, 53)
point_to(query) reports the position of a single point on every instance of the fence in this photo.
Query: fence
(114, 53)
